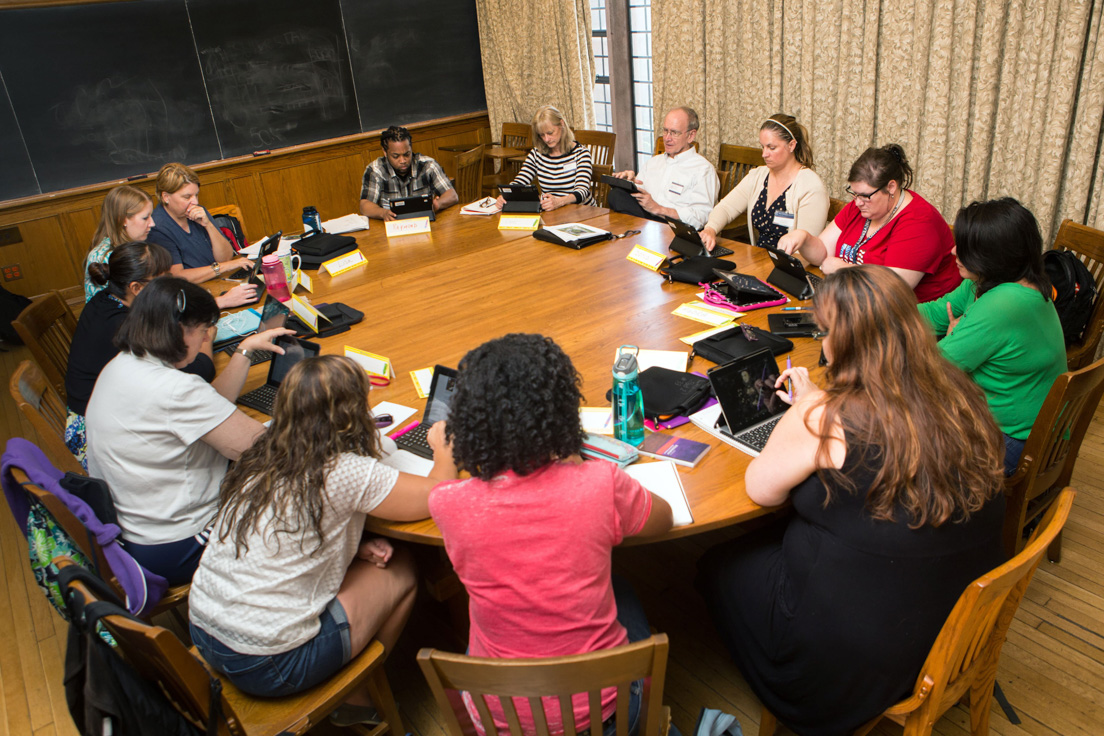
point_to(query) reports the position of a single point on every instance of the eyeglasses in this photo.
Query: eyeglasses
(675, 133)
(749, 332)
(859, 195)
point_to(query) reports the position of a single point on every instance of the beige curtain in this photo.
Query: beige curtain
(988, 97)
(536, 54)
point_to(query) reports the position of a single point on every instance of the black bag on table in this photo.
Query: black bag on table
(669, 393)
(696, 269)
(314, 250)
(727, 346)
(341, 317)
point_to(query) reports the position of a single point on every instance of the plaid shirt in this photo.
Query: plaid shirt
(382, 184)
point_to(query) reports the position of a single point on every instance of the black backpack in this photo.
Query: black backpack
(232, 229)
(1075, 291)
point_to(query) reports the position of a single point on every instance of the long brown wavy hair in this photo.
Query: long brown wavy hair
(901, 403)
(321, 411)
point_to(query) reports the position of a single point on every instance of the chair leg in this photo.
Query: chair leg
(981, 696)
(1054, 551)
(380, 690)
(768, 724)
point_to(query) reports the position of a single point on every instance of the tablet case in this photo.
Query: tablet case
(578, 244)
(725, 347)
(341, 317)
(805, 328)
(316, 249)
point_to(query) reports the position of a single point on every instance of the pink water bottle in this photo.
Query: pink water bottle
(275, 279)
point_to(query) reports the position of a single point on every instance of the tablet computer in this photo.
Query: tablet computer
(627, 184)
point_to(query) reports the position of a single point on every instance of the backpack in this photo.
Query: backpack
(229, 226)
(1074, 291)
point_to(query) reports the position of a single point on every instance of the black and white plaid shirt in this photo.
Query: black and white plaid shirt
(382, 184)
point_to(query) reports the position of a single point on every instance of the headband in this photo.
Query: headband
(780, 125)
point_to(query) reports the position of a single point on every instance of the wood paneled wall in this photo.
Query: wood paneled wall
(49, 235)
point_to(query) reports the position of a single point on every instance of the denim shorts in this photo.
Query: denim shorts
(275, 675)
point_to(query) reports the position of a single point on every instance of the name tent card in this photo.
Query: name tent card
(376, 365)
(413, 226)
(344, 263)
(649, 259)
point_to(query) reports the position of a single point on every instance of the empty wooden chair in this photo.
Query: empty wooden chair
(963, 660)
(559, 677)
(46, 412)
(161, 658)
(514, 135)
(1050, 453)
(1088, 244)
(600, 143)
(739, 160)
(469, 174)
(599, 188)
(47, 328)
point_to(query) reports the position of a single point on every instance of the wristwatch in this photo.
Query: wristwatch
(246, 352)
(217, 268)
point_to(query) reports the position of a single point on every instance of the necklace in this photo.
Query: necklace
(850, 253)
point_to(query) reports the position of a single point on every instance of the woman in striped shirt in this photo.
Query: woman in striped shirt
(561, 166)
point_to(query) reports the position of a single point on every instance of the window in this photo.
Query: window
(640, 29)
(639, 129)
(603, 109)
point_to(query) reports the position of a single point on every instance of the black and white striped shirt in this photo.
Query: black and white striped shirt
(569, 173)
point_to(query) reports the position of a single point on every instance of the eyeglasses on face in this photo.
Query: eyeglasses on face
(672, 132)
(860, 195)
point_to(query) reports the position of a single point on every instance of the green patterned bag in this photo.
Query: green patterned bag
(47, 540)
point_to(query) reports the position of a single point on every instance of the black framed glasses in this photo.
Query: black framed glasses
(860, 195)
(749, 332)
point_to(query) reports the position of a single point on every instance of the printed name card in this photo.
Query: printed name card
(413, 226)
(423, 379)
(344, 263)
(519, 222)
(300, 278)
(305, 311)
(376, 365)
(649, 259)
(702, 312)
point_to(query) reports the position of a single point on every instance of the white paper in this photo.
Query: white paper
(707, 419)
(252, 250)
(345, 224)
(673, 359)
(662, 479)
(596, 419)
(573, 231)
(485, 206)
(408, 462)
(399, 412)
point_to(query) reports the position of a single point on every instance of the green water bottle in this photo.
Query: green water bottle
(628, 402)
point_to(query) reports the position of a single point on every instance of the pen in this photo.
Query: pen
(789, 381)
(796, 309)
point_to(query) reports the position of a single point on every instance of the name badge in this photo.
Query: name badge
(675, 188)
(569, 166)
(784, 219)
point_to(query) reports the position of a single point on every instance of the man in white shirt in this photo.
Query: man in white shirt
(677, 183)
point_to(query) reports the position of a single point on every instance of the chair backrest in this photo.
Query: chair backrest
(724, 180)
(599, 188)
(834, 207)
(1050, 452)
(1088, 244)
(660, 148)
(469, 174)
(559, 677)
(47, 328)
(159, 657)
(517, 135)
(738, 159)
(970, 641)
(46, 412)
(600, 143)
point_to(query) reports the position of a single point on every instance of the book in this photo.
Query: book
(681, 450)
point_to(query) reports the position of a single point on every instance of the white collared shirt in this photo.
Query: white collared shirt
(686, 182)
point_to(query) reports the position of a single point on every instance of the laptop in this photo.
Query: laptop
(266, 247)
(420, 205)
(295, 350)
(789, 275)
(520, 198)
(750, 408)
(688, 243)
(441, 391)
(274, 314)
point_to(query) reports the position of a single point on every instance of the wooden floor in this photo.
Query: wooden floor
(1052, 667)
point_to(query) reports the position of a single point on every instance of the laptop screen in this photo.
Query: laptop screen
(440, 395)
(745, 390)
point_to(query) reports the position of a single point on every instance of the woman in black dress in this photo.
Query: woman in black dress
(894, 470)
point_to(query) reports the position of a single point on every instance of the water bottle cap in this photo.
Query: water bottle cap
(308, 209)
(625, 364)
(270, 259)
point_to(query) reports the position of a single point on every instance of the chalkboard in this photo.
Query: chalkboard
(104, 91)
(414, 59)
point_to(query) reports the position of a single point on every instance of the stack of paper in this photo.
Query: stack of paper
(485, 206)
(662, 479)
(346, 224)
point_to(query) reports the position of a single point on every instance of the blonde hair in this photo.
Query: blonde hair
(172, 177)
(119, 204)
(552, 116)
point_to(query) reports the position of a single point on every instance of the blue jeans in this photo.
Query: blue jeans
(1013, 449)
(275, 675)
(630, 614)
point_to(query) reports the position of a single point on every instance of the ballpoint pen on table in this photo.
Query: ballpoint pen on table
(797, 309)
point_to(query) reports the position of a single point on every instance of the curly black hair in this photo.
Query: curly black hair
(516, 407)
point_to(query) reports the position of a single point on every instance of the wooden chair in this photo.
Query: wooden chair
(834, 207)
(600, 143)
(560, 677)
(599, 188)
(1050, 453)
(514, 135)
(660, 148)
(469, 174)
(46, 412)
(963, 660)
(739, 160)
(1088, 244)
(160, 657)
(47, 328)
(87, 544)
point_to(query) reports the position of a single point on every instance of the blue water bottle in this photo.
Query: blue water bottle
(628, 402)
(312, 221)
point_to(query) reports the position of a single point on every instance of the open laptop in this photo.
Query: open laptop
(789, 274)
(441, 391)
(274, 314)
(420, 205)
(521, 198)
(688, 243)
(295, 350)
(749, 405)
(266, 247)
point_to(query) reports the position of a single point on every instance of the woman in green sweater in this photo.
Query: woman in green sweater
(1000, 324)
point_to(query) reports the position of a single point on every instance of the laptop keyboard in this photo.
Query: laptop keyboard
(416, 441)
(260, 399)
(258, 357)
(757, 436)
(814, 280)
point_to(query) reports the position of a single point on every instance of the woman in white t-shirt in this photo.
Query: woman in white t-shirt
(288, 591)
(162, 438)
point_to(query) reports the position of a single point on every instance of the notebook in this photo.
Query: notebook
(266, 247)
(750, 406)
(295, 350)
(274, 314)
(520, 198)
(420, 205)
(789, 274)
(441, 391)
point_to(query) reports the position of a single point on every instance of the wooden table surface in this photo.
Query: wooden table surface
(430, 298)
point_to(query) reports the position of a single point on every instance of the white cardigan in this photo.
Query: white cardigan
(806, 198)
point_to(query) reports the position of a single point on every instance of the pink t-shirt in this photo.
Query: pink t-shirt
(534, 554)
(917, 239)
